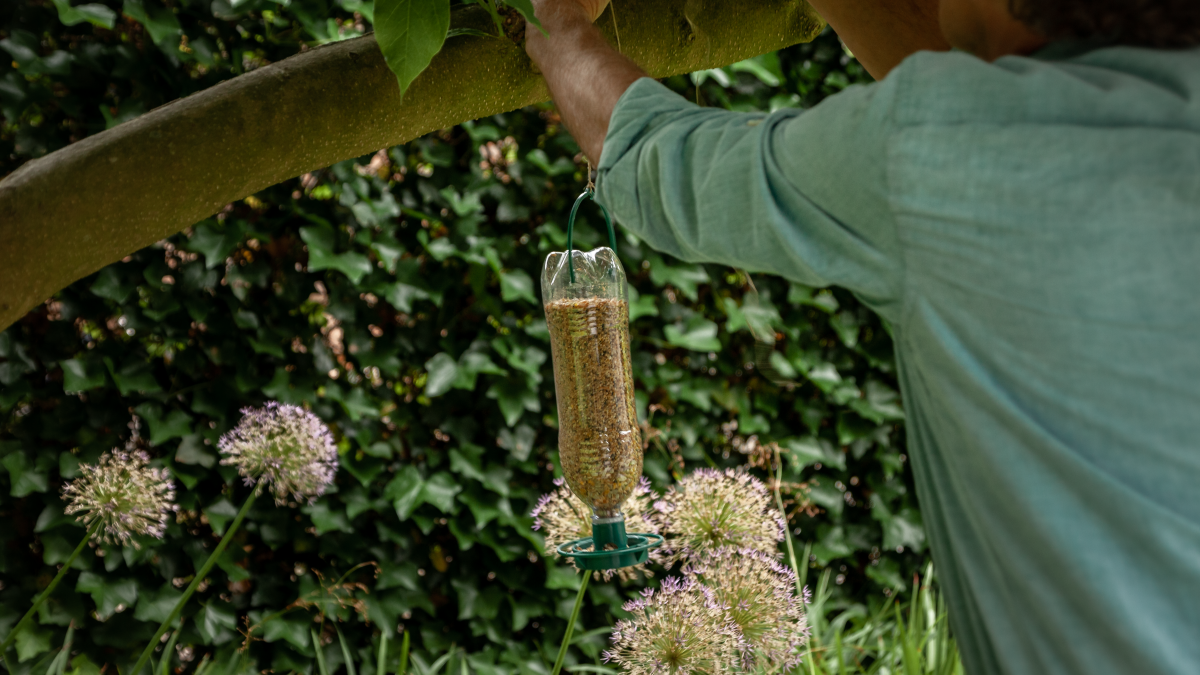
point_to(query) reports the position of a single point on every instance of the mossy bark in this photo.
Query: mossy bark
(76, 210)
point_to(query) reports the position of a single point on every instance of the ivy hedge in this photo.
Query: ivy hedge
(396, 296)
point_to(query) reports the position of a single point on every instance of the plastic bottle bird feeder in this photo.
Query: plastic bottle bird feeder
(599, 442)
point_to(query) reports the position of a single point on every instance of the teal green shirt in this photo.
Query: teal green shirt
(1031, 230)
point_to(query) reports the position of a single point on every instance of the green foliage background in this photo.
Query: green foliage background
(411, 276)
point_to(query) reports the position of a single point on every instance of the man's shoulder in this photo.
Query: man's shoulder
(1112, 85)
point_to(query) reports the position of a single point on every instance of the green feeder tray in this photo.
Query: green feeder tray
(609, 547)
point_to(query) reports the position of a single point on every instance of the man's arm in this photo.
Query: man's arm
(587, 76)
(882, 33)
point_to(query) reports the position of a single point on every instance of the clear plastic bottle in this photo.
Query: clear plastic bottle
(599, 441)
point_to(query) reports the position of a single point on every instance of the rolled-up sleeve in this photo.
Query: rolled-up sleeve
(801, 194)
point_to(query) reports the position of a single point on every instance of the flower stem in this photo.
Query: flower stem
(62, 571)
(787, 529)
(566, 641)
(200, 574)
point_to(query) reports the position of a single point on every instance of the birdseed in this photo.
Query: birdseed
(599, 441)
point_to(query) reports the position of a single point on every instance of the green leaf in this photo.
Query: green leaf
(159, 21)
(700, 335)
(514, 397)
(97, 15)
(803, 452)
(641, 305)
(31, 641)
(216, 622)
(82, 374)
(685, 278)
(134, 376)
(321, 241)
(176, 424)
(110, 595)
(405, 491)
(440, 490)
(211, 239)
(111, 285)
(191, 450)
(293, 629)
(443, 371)
(519, 442)
(219, 513)
(410, 33)
(25, 479)
(157, 606)
(525, 7)
(326, 519)
(517, 285)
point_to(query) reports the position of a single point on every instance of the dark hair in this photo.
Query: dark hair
(1144, 23)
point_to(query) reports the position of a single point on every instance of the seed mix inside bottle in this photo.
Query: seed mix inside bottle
(598, 437)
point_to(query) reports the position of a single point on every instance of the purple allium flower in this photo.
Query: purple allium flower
(759, 595)
(125, 495)
(562, 517)
(709, 509)
(679, 629)
(282, 446)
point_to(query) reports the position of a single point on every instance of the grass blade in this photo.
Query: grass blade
(320, 653)
(402, 669)
(382, 660)
(345, 651)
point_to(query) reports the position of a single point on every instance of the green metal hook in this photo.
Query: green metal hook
(612, 236)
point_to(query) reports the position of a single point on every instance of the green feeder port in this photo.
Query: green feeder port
(610, 547)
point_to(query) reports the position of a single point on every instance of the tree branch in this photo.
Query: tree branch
(76, 210)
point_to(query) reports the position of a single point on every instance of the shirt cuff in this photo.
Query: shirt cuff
(634, 113)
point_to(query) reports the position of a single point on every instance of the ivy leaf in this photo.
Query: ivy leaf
(109, 595)
(517, 285)
(321, 241)
(97, 15)
(176, 424)
(25, 478)
(110, 285)
(212, 240)
(405, 491)
(216, 622)
(157, 606)
(440, 490)
(293, 629)
(31, 641)
(514, 397)
(443, 371)
(519, 441)
(686, 278)
(219, 513)
(159, 21)
(410, 33)
(82, 374)
(326, 519)
(525, 7)
(700, 335)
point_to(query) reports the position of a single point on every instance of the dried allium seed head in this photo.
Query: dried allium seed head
(125, 495)
(678, 629)
(562, 517)
(759, 595)
(283, 446)
(709, 509)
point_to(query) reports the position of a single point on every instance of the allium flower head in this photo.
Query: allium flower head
(124, 494)
(283, 446)
(759, 595)
(709, 509)
(679, 629)
(562, 517)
